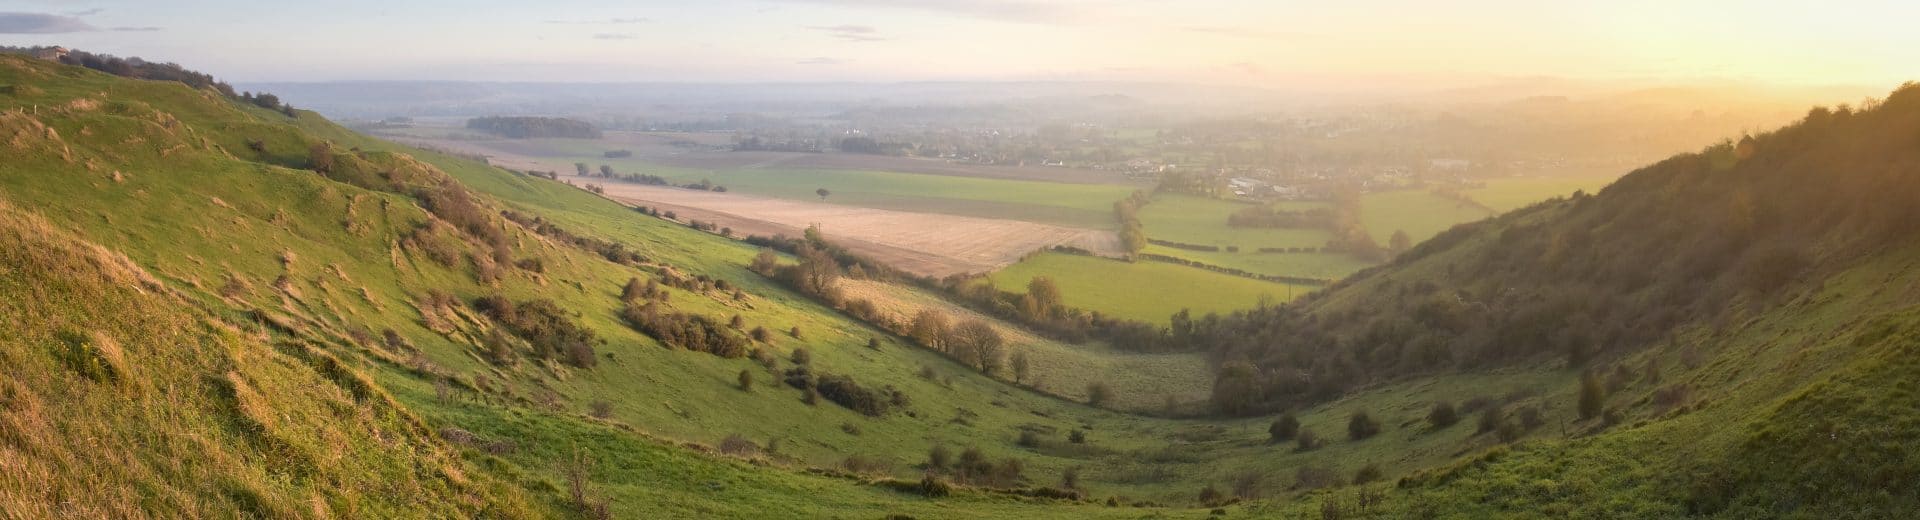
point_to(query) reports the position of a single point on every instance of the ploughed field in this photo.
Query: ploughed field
(922, 243)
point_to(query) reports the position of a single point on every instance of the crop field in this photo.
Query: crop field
(1147, 291)
(1058, 196)
(1324, 266)
(1195, 220)
(925, 243)
(1420, 213)
(1511, 193)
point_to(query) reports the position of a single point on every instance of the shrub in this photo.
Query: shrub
(1490, 419)
(1029, 439)
(1305, 440)
(1283, 428)
(1077, 437)
(801, 356)
(1367, 473)
(746, 380)
(695, 332)
(600, 409)
(1360, 426)
(863, 465)
(1210, 495)
(933, 487)
(1593, 398)
(760, 334)
(938, 457)
(1098, 393)
(1442, 415)
(1070, 478)
(738, 446)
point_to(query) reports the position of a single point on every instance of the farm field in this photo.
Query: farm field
(1139, 381)
(1420, 213)
(1057, 196)
(1146, 291)
(1199, 220)
(925, 243)
(1511, 193)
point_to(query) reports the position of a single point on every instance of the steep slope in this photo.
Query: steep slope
(1726, 323)
(117, 402)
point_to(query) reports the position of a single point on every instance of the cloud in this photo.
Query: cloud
(852, 33)
(819, 61)
(87, 12)
(609, 21)
(1025, 11)
(613, 36)
(38, 23)
(136, 29)
(1247, 68)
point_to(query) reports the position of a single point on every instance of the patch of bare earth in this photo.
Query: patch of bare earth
(921, 243)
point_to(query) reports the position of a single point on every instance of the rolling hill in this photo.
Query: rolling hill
(229, 309)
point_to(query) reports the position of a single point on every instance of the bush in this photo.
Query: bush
(1361, 426)
(738, 446)
(1367, 473)
(1283, 428)
(1442, 415)
(801, 356)
(938, 457)
(1029, 439)
(933, 487)
(1098, 393)
(600, 409)
(1077, 437)
(1305, 440)
(746, 380)
(1210, 495)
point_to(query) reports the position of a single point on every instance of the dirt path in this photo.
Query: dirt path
(921, 243)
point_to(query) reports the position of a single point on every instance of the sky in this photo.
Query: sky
(1263, 43)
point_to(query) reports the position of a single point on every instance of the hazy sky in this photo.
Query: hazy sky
(1247, 42)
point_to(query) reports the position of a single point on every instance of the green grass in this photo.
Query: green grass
(1419, 213)
(1077, 205)
(1199, 220)
(1146, 291)
(208, 410)
(1511, 193)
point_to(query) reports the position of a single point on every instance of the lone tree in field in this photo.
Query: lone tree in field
(606, 171)
(580, 169)
(823, 193)
(976, 343)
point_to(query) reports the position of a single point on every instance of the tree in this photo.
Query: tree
(823, 193)
(1361, 426)
(976, 343)
(580, 169)
(606, 171)
(1593, 396)
(1046, 295)
(746, 379)
(1020, 367)
(930, 329)
(1283, 428)
(321, 156)
(1399, 242)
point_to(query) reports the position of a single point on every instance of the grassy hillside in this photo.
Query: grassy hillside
(234, 310)
(1420, 214)
(337, 259)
